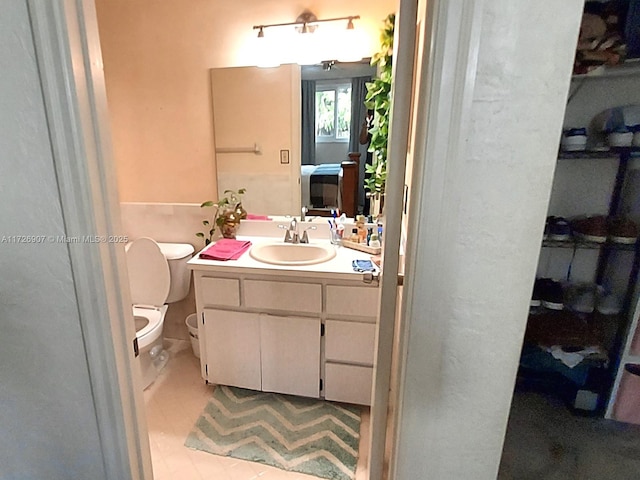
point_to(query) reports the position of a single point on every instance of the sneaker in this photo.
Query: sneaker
(574, 140)
(536, 296)
(559, 228)
(622, 231)
(545, 235)
(581, 297)
(551, 294)
(608, 303)
(590, 229)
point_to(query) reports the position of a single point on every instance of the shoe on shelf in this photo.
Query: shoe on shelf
(559, 228)
(545, 235)
(551, 296)
(574, 140)
(608, 303)
(536, 296)
(581, 297)
(622, 230)
(590, 229)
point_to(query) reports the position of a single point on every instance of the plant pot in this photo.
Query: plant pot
(228, 223)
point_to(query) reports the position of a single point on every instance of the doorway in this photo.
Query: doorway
(158, 114)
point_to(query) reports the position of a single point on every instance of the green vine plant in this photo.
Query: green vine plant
(378, 99)
(231, 200)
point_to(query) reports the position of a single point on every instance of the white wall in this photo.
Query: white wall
(47, 415)
(479, 232)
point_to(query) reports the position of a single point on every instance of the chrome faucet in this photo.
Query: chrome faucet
(305, 237)
(291, 235)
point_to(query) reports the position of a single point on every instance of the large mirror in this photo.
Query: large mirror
(285, 135)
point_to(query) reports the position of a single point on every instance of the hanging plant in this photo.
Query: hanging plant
(378, 99)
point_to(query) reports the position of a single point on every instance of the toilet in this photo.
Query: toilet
(158, 275)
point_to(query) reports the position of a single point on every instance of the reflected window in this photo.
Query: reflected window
(333, 112)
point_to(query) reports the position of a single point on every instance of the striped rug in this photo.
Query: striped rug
(292, 433)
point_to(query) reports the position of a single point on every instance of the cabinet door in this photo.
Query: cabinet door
(290, 351)
(233, 348)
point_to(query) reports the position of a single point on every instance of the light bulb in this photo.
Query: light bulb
(264, 51)
(351, 41)
(308, 49)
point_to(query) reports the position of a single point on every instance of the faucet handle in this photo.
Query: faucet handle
(287, 237)
(305, 236)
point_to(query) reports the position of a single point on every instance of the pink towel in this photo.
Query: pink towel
(251, 216)
(226, 249)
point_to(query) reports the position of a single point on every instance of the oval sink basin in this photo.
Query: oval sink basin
(292, 253)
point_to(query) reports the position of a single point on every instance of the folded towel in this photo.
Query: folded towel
(251, 216)
(226, 249)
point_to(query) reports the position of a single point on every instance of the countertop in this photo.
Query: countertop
(338, 267)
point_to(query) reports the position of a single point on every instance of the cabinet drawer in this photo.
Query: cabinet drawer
(350, 341)
(348, 383)
(361, 301)
(220, 291)
(295, 297)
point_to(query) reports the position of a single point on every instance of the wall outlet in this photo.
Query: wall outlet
(284, 156)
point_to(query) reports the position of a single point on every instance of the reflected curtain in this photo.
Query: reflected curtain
(358, 110)
(308, 122)
(358, 116)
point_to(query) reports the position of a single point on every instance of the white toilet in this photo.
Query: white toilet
(158, 275)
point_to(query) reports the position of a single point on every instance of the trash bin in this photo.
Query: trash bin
(192, 326)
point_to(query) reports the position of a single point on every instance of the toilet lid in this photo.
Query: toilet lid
(149, 278)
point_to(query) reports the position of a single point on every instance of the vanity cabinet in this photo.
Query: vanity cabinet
(294, 335)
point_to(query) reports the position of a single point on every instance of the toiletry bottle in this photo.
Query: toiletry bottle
(354, 236)
(362, 232)
(374, 242)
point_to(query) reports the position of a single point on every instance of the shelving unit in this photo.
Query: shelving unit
(606, 377)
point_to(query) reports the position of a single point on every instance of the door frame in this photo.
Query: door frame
(76, 99)
(70, 65)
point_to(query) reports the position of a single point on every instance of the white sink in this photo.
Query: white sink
(292, 253)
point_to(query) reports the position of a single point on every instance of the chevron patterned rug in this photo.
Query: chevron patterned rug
(292, 433)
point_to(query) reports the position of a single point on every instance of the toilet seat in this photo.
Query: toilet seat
(153, 329)
(149, 277)
(149, 282)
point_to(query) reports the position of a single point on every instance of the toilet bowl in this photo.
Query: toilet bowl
(156, 275)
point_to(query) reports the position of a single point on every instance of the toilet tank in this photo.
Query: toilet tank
(177, 255)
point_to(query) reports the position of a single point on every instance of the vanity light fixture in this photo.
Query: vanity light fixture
(312, 45)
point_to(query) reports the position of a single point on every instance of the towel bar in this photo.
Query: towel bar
(255, 149)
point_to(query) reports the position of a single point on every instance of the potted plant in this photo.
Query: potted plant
(378, 99)
(228, 212)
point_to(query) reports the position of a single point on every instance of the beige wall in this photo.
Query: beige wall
(157, 57)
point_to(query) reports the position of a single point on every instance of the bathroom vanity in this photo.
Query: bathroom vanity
(303, 330)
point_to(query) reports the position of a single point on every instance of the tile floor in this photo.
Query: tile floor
(174, 402)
